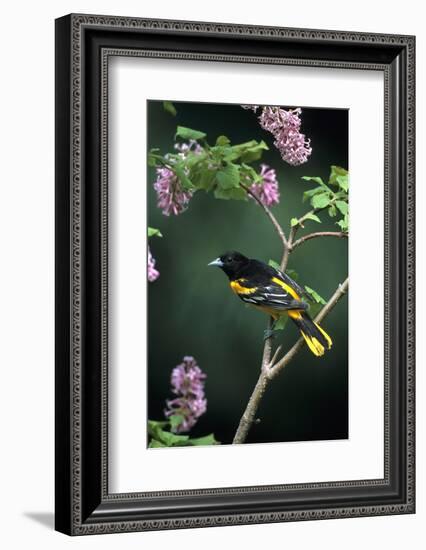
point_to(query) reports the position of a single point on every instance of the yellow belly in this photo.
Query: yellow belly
(294, 313)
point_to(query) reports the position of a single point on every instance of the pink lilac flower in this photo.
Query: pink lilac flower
(285, 127)
(187, 381)
(153, 274)
(268, 191)
(172, 198)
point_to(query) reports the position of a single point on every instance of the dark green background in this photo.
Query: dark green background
(191, 310)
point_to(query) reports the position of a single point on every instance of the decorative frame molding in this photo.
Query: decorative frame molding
(84, 44)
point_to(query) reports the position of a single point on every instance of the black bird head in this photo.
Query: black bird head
(231, 263)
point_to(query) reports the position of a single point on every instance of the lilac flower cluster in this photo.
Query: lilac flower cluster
(153, 274)
(268, 191)
(172, 198)
(285, 127)
(187, 383)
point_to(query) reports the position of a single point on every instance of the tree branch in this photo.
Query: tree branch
(268, 371)
(248, 417)
(338, 234)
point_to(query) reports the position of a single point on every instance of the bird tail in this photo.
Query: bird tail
(315, 337)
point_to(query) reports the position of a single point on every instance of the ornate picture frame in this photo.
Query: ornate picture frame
(84, 45)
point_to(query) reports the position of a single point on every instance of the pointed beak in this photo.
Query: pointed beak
(217, 262)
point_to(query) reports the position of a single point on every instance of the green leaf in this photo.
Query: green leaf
(169, 108)
(154, 443)
(317, 298)
(293, 222)
(152, 232)
(254, 153)
(228, 176)
(153, 424)
(221, 153)
(274, 264)
(311, 192)
(341, 195)
(153, 157)
(281, 322)
(321, 201)
(188, 133)
(179, 170)
(171, 439)
(343, 182)
(200, 173)
(168, 439)
(344, 223)
(336, 171)
(247, 152)
(237, 194)
(205, 440)
(155, 428)
(246, 145)
(343, 207)
(314, 309)
(293, 274)
(248, 173)
(192, 160)
(312, 217)
(222, 140)
(332, 211)
(203, 178)
(175, 420)
(316, 179)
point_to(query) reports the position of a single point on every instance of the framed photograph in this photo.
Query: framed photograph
(234, 274)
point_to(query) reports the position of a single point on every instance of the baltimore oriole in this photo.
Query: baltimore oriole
(273, 292)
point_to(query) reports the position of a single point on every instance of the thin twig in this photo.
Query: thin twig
(338, 234)
(269, 214)
(288, 249)
(267, 374)
(272, 361)
(307, 216)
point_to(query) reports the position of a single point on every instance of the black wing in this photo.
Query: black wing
(272, 296)
(291, 282)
